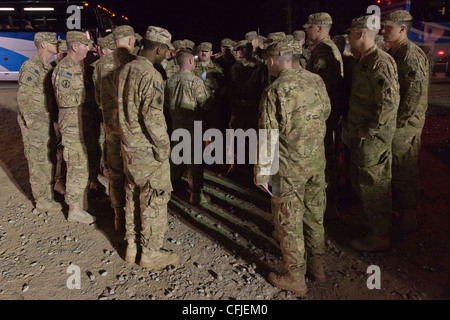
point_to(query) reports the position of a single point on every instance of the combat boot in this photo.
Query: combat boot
(296, 285)
(157, 259)
(407, 223)
(199, 198)
(371, 242)
(77, 214)
(130, 255)
(47, 205)
(316, 273)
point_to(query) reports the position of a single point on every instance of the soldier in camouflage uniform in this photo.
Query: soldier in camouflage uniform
(326, 61)
(68, 83)
(186, 96)
(146, 151)
(372, 117)
(106, 77)
(296, 104)
(413, 69)
(36, 101)
(300, 35)
(213, 78)
(172, 66)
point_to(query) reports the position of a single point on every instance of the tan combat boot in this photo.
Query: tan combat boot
(130, 255)
(77, 214)
(199, 198)
(157, 259)
(296, 285)
(47, 205)
(316, 273)
(371, 242)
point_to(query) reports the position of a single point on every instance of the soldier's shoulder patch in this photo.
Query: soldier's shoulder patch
(158, 86)
(66, 74)
(65, 84)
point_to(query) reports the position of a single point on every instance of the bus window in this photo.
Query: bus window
(9, 19)
(106, 20)
(40, 18)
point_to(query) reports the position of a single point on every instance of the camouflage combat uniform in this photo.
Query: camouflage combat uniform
(374, 101)
(35, 98)
(106, 78)
(413, 77)
(186, 96)
(146, 151)
(297, 105)
(326, 61)
(68, 83)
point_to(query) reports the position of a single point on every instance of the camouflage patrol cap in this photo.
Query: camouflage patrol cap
(320, 18)
(364, 22)
(227, 43)
(179, 44)
(296, 46)
(107, 42)
(158, 34)
(241, 44)
(123, 31)
(396, 16)
(205, 46)
(189, 44)
(249, 36)
(62, 46)
(78, 36)
(299, 35)
(40, 37)
(279, 48)
(275, 36)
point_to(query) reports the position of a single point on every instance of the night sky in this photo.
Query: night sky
(213, 20)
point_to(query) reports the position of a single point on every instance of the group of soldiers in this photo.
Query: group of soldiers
(317, 97)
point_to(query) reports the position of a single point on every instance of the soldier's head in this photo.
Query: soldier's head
(186, 60)
(205, 52)
(244, 49)
(125, 37)
(279, 55)
(106, 45)
(226, 44)
(78, 45)
(318, 26)
(252, 37)
(156, 43)
(363, 32)
(396, 26)
(46, 42)
(299, 35)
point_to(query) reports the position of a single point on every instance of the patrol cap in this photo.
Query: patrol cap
(275, 36)
(62, 46)
(160, 35)
(320, 18)
(249, 36)
(50, 37)
(299, 35)
(107, 42)
(78, 36)
(205, 46)
(396, 16)
(123, 31)
(279, 48)
(189, 44)
(227, 43)
(241, 44)
(289, 37)
(296, 46)
(364, 22)
(179, 44)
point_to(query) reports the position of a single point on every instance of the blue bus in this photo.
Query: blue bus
(20, 20)
(430, 29)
